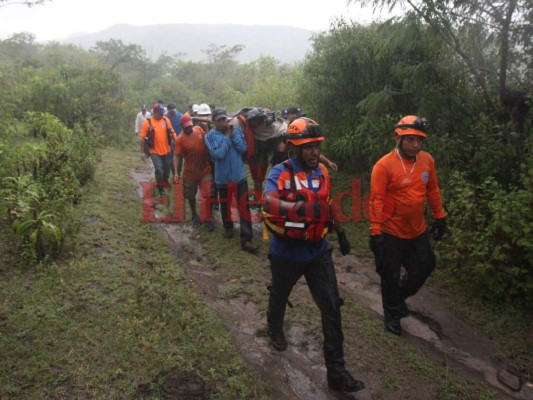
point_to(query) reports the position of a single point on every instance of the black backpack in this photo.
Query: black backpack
(150, 136)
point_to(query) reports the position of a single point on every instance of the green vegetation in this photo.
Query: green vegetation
(117, 316)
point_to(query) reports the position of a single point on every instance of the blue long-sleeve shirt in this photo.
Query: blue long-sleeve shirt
(227, 155)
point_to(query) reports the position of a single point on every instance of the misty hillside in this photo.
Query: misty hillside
(286, 44)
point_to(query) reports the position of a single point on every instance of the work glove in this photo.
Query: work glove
(376, 243)
(438, 228)
(345, 246)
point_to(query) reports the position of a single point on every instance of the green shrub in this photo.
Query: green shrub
(491, 244)
(42, 176)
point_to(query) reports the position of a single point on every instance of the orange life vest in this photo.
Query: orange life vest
(317, 222)
(248, 136)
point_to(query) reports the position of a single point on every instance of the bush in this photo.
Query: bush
(42, 176)
(491, 243)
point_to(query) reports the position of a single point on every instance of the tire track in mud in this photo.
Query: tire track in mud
(299, 372)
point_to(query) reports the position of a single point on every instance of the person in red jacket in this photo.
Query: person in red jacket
(401, 183)
(158, 133)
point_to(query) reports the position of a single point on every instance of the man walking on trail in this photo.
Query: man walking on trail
(157, 131)
(261, 131)
(226, 145)
(174, 117)
(297, 212)
(401, 183)
(141, 116)
(197, 171)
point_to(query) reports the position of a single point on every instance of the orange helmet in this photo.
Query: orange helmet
(302, 131)
(411, 125)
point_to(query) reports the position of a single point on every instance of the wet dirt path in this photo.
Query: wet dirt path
(299, 372)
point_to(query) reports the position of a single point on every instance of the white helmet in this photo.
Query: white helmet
(203, 109)
(195, 108)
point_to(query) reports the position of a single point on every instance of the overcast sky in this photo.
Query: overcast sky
(58, 19)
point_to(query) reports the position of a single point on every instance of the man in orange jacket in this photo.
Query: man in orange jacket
(401, 183)
(157, 131)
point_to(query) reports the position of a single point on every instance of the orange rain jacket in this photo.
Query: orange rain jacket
(398, 196)
(161, 145)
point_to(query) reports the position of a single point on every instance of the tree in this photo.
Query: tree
(493, 40)
(115, 53)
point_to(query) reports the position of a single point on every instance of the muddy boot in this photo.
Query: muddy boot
(277, 339)
(249, 247)
(344, 382)
(392, 325)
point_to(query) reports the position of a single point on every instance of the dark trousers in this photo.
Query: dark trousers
(238, 191)
(322, 282)
(418, 260)
(162, 166)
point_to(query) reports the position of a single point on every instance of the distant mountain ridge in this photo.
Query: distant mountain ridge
(284, 43)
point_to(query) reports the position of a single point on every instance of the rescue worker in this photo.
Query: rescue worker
(290, 114)
(296, 210)
(157, 130)
(401, 183)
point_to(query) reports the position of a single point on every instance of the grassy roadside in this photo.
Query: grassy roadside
(115, 318)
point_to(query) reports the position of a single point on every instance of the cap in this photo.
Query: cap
(294, 110)
(186, 120)
(171, 106)
(219, 113)
(143, 106)
(158, 108)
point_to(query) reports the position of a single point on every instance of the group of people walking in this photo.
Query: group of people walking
(296, 207)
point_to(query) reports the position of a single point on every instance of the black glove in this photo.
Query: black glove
(345, 246)
(438, 228)
(375, 243)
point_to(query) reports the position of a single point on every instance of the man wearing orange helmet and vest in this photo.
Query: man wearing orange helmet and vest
(401, 183)
(297, 212)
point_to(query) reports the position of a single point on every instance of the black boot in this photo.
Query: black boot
(393, 326)
(344, 382)
(403, 310)
(277, 339)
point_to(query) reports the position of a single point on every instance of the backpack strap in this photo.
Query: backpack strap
(290, 167)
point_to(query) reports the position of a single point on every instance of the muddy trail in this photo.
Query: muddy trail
(299, 372)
